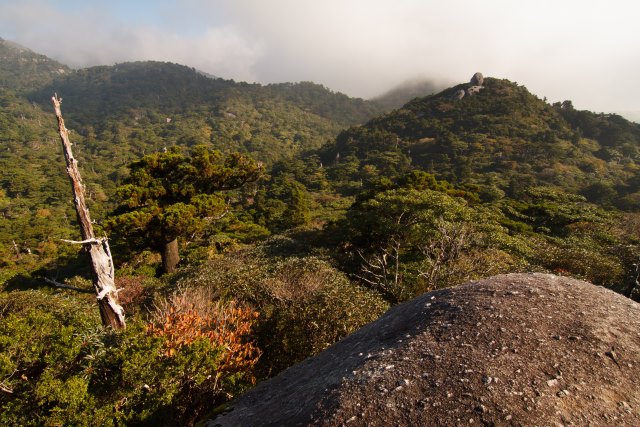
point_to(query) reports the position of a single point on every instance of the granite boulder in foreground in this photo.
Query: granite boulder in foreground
(516, 349)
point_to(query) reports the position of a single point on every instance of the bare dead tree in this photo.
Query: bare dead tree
(381, 271)
(102, 270)
(16, 248)
(442, 251)
(634, 285)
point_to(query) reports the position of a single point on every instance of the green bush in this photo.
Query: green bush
(305, 304)
(44, 360)
(60, 367)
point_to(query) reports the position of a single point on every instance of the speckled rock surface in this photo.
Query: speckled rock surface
(516, 349)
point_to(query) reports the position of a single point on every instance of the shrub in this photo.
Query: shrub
(58, 366)
(224, 326)
(45, 361)
(131, 293)
(305, 304)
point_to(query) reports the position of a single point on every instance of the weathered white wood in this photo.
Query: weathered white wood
(62, 285)
(82, 242)
(102, 269)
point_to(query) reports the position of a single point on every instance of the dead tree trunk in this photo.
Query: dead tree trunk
(102, 270)
(170, 256)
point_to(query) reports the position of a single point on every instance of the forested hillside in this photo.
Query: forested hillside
(253, 226)
(529, 185)
(118, 114)
(504, 138)
(22, 69)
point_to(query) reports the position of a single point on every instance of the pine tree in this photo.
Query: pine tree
(169, 195)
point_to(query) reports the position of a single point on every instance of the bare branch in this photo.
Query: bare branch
(5, 388)
(15, 247)
(93, 241)
(216, 218)
(382, 270)
(441, 252)
(62, 285)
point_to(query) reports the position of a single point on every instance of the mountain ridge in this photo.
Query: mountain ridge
(499, 137)
(21, 68)
(395, 97)
(399, 95)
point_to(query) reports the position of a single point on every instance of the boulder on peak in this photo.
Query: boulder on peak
(477, 79)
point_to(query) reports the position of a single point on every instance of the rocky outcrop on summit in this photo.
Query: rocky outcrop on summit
(472, 90)
(459, 94)
(477, 79)
(516, 349)
(475, 86)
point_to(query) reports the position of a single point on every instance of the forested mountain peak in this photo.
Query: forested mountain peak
(99, 92)
(169, 88)
(503, 136)
(499, 102)
(122, 112)
(21, 68)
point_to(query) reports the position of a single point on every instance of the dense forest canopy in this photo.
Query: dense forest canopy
(300, 214)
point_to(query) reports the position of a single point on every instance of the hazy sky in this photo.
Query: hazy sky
(587, 51)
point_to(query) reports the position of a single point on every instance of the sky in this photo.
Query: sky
(586, 51)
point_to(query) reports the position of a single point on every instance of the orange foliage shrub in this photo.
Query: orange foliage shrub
(226, 327)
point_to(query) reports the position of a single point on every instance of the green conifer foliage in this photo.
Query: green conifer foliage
(169, 195)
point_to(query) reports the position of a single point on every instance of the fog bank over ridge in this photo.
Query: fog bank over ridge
(583, 51)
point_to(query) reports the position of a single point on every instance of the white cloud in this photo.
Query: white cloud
(93, 36)
(581, 50)
(587, 51)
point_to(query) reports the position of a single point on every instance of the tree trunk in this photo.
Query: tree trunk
(102, 270)
(170, 256)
